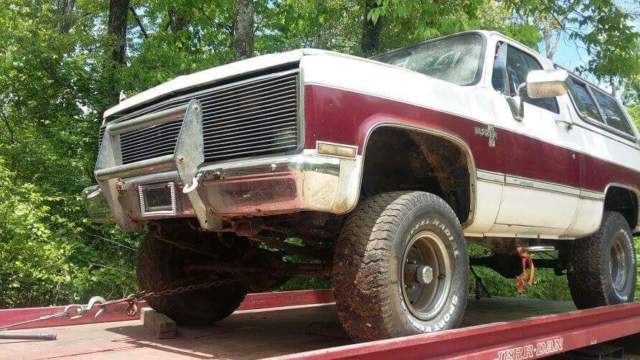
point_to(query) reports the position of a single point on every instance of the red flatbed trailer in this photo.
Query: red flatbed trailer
(303, 325)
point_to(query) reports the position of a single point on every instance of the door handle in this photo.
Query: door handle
(567, 124)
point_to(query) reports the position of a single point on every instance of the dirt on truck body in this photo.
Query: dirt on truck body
(375, 172)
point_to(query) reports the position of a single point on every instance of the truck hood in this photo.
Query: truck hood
(213, 74)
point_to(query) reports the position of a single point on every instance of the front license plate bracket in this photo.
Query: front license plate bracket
(158, 199)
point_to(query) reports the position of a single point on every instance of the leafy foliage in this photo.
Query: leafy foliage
(637, 245)
(48, 257)
(602, 27)
(634, 112)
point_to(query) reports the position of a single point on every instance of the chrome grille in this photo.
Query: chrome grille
(148, 143)
(252, 118)
(100, 136)
(258, 116)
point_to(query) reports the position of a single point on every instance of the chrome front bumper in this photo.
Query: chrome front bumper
(255, 187)
(215, 191)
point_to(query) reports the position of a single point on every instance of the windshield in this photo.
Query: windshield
(456, 59)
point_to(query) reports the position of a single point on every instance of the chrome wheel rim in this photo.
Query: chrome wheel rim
(619, 263)
(427, 274)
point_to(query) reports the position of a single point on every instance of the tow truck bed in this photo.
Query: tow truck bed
(303, 325)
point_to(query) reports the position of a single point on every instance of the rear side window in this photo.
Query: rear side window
(583, 100)
(612, 113)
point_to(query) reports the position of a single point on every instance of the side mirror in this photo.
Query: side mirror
(546, 83)
(540, 84)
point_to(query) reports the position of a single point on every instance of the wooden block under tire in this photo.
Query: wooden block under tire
(159, 324)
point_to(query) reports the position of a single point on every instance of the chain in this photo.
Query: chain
(76, 311)
(144, 295)
(133, 299)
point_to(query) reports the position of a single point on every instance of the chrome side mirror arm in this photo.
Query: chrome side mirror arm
(516, 103)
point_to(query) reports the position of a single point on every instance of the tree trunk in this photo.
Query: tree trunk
(65, 15)
(117, 29)
(370, 31)
(551, 39)
(177, 21)
(139, 22)
(243, 29)
(117, 37)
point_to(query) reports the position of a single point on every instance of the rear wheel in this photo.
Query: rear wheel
(161, 265)
(400, 267)
(602, 269)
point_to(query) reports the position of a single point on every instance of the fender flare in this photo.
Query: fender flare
(633, 190)
(375, 123)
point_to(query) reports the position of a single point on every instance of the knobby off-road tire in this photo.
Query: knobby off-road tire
(375, 264)
(161, 265)
(602, 267)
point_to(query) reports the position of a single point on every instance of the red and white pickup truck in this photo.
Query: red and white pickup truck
(376, 172)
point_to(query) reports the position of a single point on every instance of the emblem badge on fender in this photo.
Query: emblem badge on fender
(489, 132)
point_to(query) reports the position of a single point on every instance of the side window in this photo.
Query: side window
(499, 74)
(612, 113)
(510, 70)
(583, 100)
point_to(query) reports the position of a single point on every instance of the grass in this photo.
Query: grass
(548, 286)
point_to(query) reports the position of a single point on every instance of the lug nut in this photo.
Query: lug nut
(424, 274)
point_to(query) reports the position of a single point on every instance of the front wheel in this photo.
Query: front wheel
(162, 265)
(602, 268)
(400, 267)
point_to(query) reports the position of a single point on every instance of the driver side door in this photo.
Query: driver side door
(541, 184)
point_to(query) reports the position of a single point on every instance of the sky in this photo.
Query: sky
(571, 55)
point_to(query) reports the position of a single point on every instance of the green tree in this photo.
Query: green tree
(602, 27)
(408, 22)
(634, 111)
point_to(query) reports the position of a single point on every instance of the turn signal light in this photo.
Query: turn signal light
(345, 151)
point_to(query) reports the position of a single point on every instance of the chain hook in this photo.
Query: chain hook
(96, 300)
(132, 309)
(132, 300)
(75, 311)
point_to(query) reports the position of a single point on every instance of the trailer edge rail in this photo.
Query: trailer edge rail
(530, 338)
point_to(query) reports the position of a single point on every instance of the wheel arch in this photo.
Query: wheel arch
(625, 200)
(424, 132)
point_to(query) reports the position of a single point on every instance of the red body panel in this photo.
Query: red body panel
(346, 117)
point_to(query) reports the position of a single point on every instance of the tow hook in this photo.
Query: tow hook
(194, 184)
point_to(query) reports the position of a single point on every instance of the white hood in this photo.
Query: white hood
(209, 75)
(223, 71)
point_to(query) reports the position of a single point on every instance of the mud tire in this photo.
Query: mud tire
(160, 265)
(590, 272)
(369, 253)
